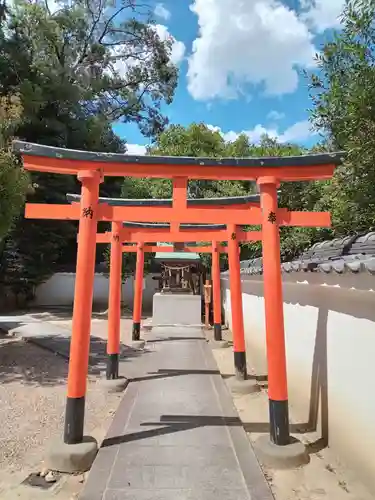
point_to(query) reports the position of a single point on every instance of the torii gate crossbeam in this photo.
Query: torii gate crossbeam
(124, 232)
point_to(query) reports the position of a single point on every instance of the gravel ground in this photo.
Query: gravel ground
(32, 403)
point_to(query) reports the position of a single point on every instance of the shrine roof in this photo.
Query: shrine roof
(176, 256)
(32, 149)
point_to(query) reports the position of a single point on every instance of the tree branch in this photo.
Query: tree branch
(95, 22)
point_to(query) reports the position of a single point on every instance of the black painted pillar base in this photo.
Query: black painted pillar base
(112, 367)
(136, 333)
(74, 420)
(279, 422)
(240, 368)
(217, 331)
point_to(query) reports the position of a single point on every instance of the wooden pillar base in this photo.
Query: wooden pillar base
(136, 332)
(74, 420)
(112, 367)
(217, 332)
(240, 367)
(279, 422)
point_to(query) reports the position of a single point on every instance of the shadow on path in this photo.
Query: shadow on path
(170, 372)
(177, 423)
(43, 360)
(169, 339)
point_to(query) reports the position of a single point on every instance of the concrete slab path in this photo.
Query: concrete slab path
(176, 434)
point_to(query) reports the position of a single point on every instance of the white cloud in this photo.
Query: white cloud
(135, 149)
(162, 12)
(298, 132)
(244, 42)
(322, 14)
(178, 48)
(53, 5)
(275, 115)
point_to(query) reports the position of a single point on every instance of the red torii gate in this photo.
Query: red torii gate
(144, 232)
(268, 172)
(215, 249)
(115, 283)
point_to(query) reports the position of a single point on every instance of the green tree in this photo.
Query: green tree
(199, 140)
(129, 260)
(14, 181)
(343, 92)
(77, 69)
(196, 140)
(86, 59)
(295, 196)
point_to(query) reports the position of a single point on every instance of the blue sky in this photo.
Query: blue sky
(241, 64)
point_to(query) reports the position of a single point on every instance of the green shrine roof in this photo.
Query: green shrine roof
(176, 256)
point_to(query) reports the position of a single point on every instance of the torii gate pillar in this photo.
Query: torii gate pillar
(215, 272)
(273, 300)
(270, 448)
(83, 295)
(216, 289)
(114, 303)
(138, 292)
(240, 382)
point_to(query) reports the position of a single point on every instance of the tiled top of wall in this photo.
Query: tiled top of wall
(353, 254)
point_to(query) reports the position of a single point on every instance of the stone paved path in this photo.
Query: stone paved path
(176, 434)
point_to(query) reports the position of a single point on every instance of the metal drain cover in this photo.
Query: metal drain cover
(37, 481)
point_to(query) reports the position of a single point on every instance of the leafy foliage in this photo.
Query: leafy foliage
(76, 69)
(194, 141)
(14, 181)
(86, 60)
(129, 261)
(343, 92)
(199, 140)
(79, 68)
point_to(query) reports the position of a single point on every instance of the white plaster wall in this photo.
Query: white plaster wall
(330, 343)
(59, 291)
(149, 289)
